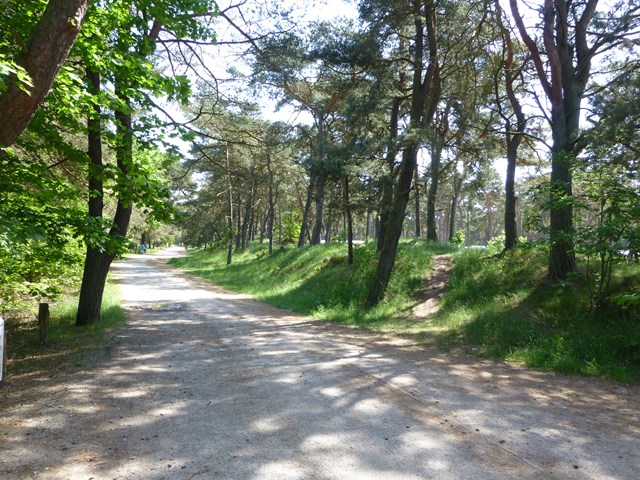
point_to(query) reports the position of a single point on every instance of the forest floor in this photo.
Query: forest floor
(203, 383)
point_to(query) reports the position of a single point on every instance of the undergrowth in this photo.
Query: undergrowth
(503, 307)
(67, 345)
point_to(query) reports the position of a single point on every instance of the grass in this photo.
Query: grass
(317, 281)
(496, 306)
(67, 345)
(504, 307)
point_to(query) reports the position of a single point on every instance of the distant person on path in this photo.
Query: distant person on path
(143, 248)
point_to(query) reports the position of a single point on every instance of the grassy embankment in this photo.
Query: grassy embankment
(67, 345)
(496, 306)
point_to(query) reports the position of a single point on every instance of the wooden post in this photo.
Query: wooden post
(43, 322)
(3, 351)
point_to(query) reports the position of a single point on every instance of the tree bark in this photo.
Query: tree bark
(457, 187)
(47, 50)
(349, 218)
(510, 229)
(320, 194)
(388, 181)
(229, 207)
(329, 226)
(246, 223)
(394, 229)
(416, 194)
(95, 274)
(434, 181)
(367, 230)
(305, 212)
(271, 209)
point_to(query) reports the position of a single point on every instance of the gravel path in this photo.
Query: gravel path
(206, 384)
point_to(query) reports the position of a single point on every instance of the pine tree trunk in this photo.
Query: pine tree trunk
(246, 222)
(317, 227)
(425, 93)
(416, 193)
(394, 229)
(327, 233)
(457, 186)
(229, 207)
(434, 180)
(367, 231)
(510, 230)
(388, 181)
(562, 260)
(238, 231)
(565, 118)
(347, 211)
(271, 208)
(305, 213)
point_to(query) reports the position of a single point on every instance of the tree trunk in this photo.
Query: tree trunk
(367, 230)
(94, 278)
(95, 273)
(320, 194)
(327, 233)
(513, 139)
(97, 263)
(394, 229)
(229, 207)
(388, 181)
(562, 260)
(347, 211)
(246, 223)
(305, 212)
(434, 180)
(47, 50)
(416, 194)
(424, 97)
(457, 187)
(510, 230)
(271, 209)
(238, 224)
(564, 84)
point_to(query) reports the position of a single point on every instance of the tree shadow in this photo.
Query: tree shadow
(229, 388)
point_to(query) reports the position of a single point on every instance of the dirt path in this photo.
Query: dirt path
(434, 287)
(205, 384)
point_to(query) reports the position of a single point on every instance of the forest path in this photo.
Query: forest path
(433, 289)
(208, 384)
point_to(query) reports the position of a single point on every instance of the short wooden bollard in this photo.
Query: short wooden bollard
(3, 351)
(43, 322)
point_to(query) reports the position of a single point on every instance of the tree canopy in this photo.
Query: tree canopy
(457, 121)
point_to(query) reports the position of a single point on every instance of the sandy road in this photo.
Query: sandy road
(205, 384)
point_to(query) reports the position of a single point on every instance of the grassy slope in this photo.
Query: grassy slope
(505, 307)
(317, 280)
(498, 307)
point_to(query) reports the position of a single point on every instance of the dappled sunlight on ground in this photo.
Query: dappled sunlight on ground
(224, 387)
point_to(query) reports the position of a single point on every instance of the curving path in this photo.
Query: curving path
(206, 384)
